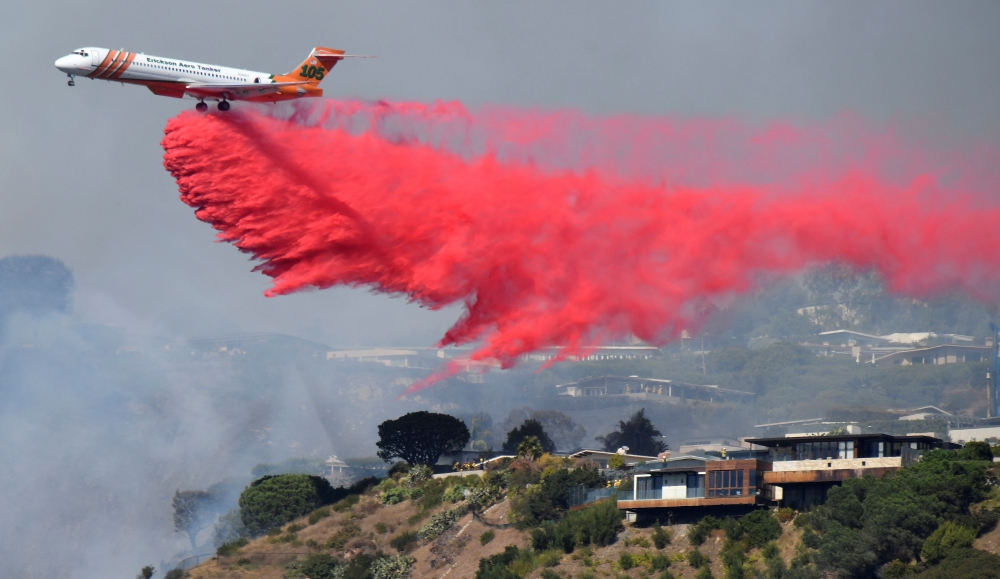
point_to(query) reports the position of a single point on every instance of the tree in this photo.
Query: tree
(272, 501)
(481, 431)
(565, 433)
(976, 450)
(421, 437)
(530, 446)
(229, 528)
(192, 513)
(946, 538)
(637, 433)
(146, 573)
(531, 427)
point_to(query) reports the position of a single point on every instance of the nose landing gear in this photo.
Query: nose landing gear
(201, 107)
(224, 106)
(72, 80)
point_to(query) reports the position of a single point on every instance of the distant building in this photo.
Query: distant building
(601, 457)
(336, 466)
(703, 445)
(924, 412)
(943, 354)
(654, 389)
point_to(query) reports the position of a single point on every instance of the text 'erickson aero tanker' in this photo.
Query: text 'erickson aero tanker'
(178, 78)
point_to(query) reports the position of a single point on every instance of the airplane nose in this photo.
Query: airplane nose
(66, 63)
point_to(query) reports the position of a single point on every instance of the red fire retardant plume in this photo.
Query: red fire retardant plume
(543, 249)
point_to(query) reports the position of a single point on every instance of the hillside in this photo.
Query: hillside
(924, 523)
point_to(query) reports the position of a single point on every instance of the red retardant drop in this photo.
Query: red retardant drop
(551, 253)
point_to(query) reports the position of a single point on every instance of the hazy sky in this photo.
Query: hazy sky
(81, 174)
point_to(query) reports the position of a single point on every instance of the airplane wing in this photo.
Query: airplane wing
(236, 91)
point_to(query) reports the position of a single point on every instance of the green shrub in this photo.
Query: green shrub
(757, 529)
(698, 532)
(341, 537)
(661, 537)
(697, 559)
(318, 515)
(499, 566)
(420, 473)
(391, 567)
(486, 537)
(896, 569)
(549, 574)
(785, 514)
(704, 573)
(664, 575)
(660, 562)
(549, 558)
(625, 561)
(380, 528)
(346, 503)
(401, 541)
(231, 548)
(540, 539)
(294, 529)
(946, 538)
(976, 450)
(965, 564)
(175, 574)
(440, 523)
(395, 495)
(598, 524)
(315, 566)
(455, 494)
(272, 501)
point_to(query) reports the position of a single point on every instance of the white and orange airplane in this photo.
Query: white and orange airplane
(179, 78)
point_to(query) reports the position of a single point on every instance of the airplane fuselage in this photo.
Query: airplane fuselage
(178, 78)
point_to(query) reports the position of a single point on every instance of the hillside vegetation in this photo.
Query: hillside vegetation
(936, 518)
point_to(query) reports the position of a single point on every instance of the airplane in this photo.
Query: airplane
(179, 78)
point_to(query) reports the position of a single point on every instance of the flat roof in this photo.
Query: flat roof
(714, 387)
(782, 441)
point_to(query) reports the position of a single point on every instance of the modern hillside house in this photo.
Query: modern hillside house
(792, 471)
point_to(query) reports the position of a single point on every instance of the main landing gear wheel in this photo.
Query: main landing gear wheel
(71, 83)
(224, 106)
(201, 107)
(72, 80)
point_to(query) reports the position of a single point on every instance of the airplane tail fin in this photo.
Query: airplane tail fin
(315, 68)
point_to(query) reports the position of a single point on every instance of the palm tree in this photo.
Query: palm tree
(637, 433)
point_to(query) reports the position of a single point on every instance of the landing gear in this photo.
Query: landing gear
(72, 81)
(224, 106)
(201, 107)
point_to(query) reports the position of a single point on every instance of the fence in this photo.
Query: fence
(581, 495)
(192, 561)
(268, 558)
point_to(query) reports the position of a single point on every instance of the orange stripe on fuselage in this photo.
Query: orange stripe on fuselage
(121, 70)
(104, 64)
(111, 70)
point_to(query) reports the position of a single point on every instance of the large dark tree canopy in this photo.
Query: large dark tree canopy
(530, 427)
(637, 433)
(34, 283)
(272, 501)
(421, 437)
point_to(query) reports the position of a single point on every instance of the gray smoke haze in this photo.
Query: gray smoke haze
(100, 422)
